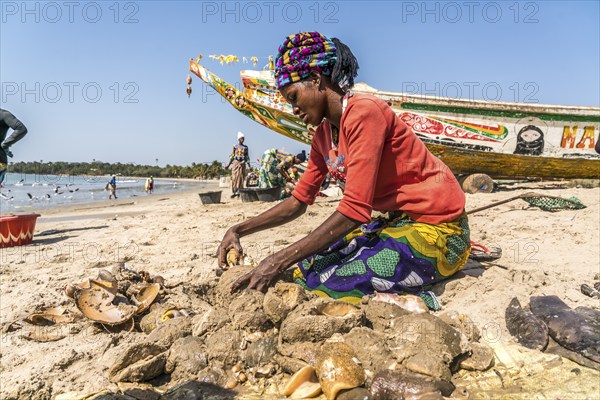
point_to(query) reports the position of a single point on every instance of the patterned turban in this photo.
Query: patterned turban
(302, 53)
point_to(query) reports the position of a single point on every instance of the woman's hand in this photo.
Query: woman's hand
(286, 211)
(231, 240)
(261, 277)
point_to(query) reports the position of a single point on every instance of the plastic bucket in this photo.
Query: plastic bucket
(248, 195)
(269, 194)
(17, 230)
(210, 197)
(224, 181)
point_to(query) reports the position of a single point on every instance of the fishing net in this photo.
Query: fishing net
(551, 203)
(546, 203)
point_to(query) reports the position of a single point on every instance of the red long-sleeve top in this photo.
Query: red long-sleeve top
(386, 167)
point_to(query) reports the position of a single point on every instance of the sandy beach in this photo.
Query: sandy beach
(175, 235)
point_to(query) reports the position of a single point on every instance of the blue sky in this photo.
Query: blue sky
(105, 80)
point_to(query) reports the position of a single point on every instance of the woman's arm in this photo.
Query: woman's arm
(284, 172)
(19, 129)
(284, 212)
(332, 230)
(231, 157)
(283, 166)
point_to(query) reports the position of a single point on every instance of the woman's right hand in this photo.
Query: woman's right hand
(231, 240)
(288, 210)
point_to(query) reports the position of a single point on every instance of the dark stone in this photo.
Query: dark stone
(194, 390)
(394, 385)
(354, 394)
(569, 328)
(261, 352)
(529, 330)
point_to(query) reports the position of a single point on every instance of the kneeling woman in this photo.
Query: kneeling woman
(382, 166)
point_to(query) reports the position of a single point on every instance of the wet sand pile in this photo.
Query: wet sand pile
(196, 340)
(206, 341)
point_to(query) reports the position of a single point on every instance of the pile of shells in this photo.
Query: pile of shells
(47, 324)
(116, 301)
(289, 342)
(114, 298)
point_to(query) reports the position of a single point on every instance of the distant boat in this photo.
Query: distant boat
(500, 139)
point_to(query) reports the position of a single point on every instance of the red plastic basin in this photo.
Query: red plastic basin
(17, 230)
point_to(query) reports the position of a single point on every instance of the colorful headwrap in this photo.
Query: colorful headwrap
(302, 53)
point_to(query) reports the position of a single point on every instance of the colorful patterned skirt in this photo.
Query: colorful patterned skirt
(238, 173)
(269, 175)
(387, 255)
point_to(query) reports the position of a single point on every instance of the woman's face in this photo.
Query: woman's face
(530, 135)
(307, 101)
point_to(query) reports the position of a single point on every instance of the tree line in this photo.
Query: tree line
(98, 168)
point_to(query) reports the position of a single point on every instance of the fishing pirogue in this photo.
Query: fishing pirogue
(500, 139)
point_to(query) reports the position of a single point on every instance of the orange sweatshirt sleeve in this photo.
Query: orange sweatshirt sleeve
(364, 128)
(310, 182)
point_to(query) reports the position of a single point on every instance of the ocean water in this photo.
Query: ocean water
(30, 192)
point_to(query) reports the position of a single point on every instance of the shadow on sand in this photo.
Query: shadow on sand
(59, 231)
(192, 390)
(52, 232)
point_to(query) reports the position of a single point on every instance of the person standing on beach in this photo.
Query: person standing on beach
(112, 186)
(240, 158)
(8, 120)
(361, 142)
(149, 185)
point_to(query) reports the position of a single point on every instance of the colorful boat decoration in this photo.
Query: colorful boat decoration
(500, 139)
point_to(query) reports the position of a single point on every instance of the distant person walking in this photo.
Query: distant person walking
(149, 185)
(239, 158)
(8, 120)
(112, 186)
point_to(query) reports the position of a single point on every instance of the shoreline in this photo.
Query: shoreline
(108, 176)
(115, 204)
(103, 201)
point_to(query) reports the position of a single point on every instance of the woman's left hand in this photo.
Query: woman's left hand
(261, 277)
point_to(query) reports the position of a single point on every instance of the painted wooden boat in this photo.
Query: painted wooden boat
(500, 139)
